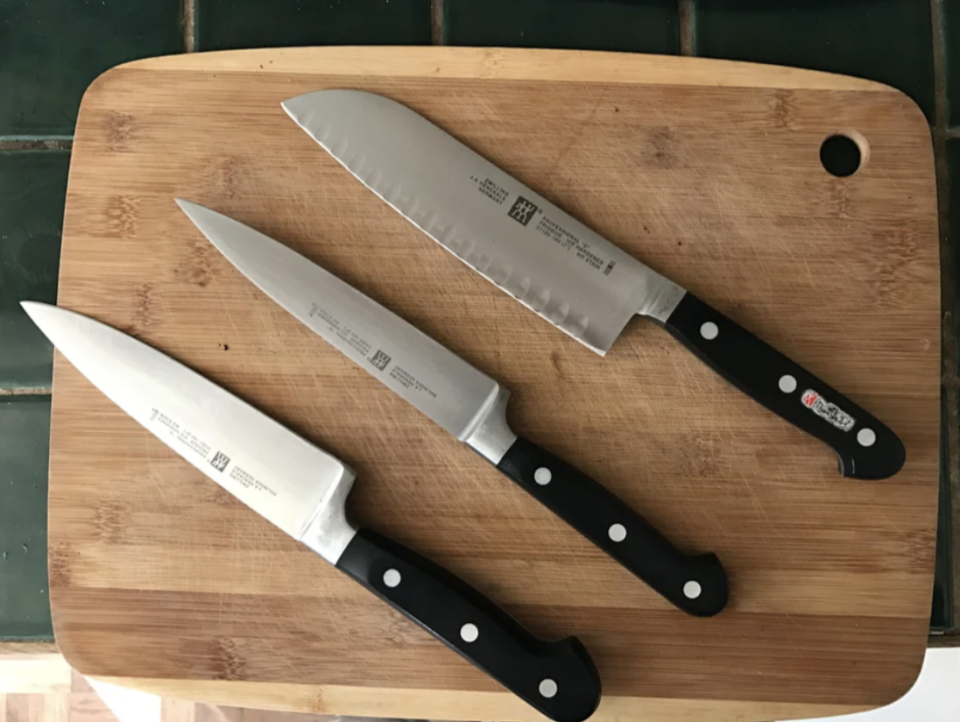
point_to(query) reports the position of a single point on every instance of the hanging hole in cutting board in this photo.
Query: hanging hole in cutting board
(843, 154)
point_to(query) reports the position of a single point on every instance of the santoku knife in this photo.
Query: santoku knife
(567, 273)
(303, 490)
(466, 403)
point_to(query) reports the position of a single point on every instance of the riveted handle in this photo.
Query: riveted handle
(866, 448)
(695, 584)
(558, 679)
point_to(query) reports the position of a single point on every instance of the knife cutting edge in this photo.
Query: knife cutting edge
(303, 490)
(566, 272)
(466, 403)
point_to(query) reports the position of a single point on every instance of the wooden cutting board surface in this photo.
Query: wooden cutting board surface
(708, 171)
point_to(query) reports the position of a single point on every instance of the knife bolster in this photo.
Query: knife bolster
(663, 302)
(329, 533)
(492, 437)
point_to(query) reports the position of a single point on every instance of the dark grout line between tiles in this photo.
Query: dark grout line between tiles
(687, 30)
(51, 143)
(189, 26)
(38, 391)
(436, 22)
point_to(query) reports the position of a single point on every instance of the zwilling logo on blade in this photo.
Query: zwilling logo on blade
(522, 211)
(380, 360)
(831, 413)
(219, 461)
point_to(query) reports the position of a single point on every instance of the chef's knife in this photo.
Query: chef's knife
(303, 490)
(567, 273)
(464, 402)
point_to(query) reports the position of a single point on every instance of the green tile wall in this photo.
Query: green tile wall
(32, 188)
(50, 50)
(885, 40)
(24, 447)
(648, 26)
(223, 24)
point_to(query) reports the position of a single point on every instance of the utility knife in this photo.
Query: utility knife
(303, 490)
(566, 272)
(466, 403)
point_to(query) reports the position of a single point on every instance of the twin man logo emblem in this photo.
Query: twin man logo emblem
(219, 461)
(522, 211)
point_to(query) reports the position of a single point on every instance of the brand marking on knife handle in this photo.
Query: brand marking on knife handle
(831, 413)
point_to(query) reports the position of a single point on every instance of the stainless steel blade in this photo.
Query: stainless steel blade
(439, 383)
(290, 482)
(511, 235)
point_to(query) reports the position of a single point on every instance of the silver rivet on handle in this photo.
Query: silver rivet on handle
(469, 633)
(548, 688)
(542, 476)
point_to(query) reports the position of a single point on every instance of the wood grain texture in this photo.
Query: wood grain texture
(707, 171)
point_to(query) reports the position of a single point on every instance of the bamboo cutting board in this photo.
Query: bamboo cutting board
(708, 171)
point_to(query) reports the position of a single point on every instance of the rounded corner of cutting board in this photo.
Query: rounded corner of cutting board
(102, 82)
(67, 651)
(897, 691)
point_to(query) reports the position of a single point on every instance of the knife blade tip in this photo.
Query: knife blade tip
(296, 106)
(201, 216)
(32, 307)
(42, 314)
(186, 206)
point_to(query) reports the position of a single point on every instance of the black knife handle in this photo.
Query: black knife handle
(695, 584)
(558, 679)
(865, 447)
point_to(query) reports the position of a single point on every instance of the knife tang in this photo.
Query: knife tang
(695, 584)
(557, 678)
(865, 447)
